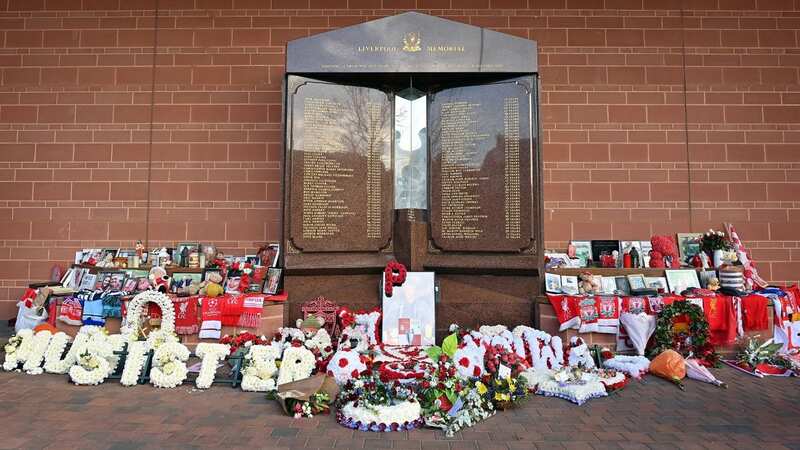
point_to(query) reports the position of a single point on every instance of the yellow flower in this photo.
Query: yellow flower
(502, 397)
(481, 388)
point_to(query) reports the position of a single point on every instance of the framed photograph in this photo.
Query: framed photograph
(608, 285)
(627, 246)
(646, 248)
(142, 284)
(679, 280)
(184, 279)
(623, 285)
(88, 283)
(137, 273)
(560, 260)
(253, 259)
(272, 285)
(217, 270)
(601, 247)
(269, 254)
(111, 280)
(125, 253)
(637, 282)
(552, 283)
(130, 284)
(658, 283)
(688, 246)
(233, 285)
(181, 254)
(583, 251)
(91, 256)
(409, 315)
(705, 276)
(569, 284)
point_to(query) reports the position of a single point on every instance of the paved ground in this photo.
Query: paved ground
(45, 411)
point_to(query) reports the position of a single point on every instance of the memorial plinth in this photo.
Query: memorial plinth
(446, 115)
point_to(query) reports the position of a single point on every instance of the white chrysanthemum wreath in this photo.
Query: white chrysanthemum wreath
(39, 345)
(169, 365)
(17, 349)
(54, 359)
(211, 354)
(260, 369)
(297, 364)
(136, 309)
(97, 361)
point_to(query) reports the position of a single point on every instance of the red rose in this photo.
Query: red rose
(354, 373)
(342, 363)
(464, 361)
(476, 372)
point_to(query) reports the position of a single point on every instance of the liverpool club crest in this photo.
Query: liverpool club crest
(412, 42)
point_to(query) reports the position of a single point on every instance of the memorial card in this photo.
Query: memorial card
(409, 315)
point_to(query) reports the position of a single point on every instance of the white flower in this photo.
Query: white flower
(23, 344)
(39, 343)
(343, 363)
(260, 369)
(297, 364)
(134, 362)
(169, 368)
(211, 354)
(130, 327)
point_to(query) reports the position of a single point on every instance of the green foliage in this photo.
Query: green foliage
(450, 345)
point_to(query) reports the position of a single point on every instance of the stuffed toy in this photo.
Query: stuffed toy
(212, 287)
(159, 281)
(310, 325)
(664, 253)
(587, 285)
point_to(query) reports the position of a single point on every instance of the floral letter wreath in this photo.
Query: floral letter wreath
(260, 368)
(211, 354)
(297, 364)
(169, 365)
(665, 337)
(394, 275)
(136, 307)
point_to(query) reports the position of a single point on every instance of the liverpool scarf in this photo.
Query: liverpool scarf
(211, 312)
(252, 306)
(185, 314)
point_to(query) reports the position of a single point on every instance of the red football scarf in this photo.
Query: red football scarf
(567, 311)
(721, 319)
(211, 312)
(71, 311)
(232, 307)
(185, 315)
(755, 313)
(252, 306)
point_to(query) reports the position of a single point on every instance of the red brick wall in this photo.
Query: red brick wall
(78, 92)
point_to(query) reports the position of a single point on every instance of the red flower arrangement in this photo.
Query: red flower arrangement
(238, 340)
(394, 275)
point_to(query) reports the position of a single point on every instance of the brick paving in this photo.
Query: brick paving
(45, 411)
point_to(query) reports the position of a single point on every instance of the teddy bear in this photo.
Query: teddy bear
(587, 285)
(159, 280)
(664, 253)
(212, 286)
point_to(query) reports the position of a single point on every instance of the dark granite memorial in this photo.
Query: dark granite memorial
(414, 138)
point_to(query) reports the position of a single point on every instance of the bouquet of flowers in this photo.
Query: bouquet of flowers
(763, 356)
(246, 339)
(318, 403)
(715, 240)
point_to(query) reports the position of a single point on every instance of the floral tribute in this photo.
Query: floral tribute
(683, 327)
(763, 358)
(259, 368)
(367, 403)
(393, 275)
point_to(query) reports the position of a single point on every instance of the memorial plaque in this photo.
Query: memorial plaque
(340, 167)
(481, 157)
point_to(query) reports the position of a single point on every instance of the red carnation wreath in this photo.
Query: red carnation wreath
(394, 275)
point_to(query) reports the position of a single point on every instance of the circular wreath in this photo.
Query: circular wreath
(697, 331)
(136, 309)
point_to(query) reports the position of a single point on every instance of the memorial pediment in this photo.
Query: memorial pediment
(411, 42)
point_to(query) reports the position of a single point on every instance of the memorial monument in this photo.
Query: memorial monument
(414, 138)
